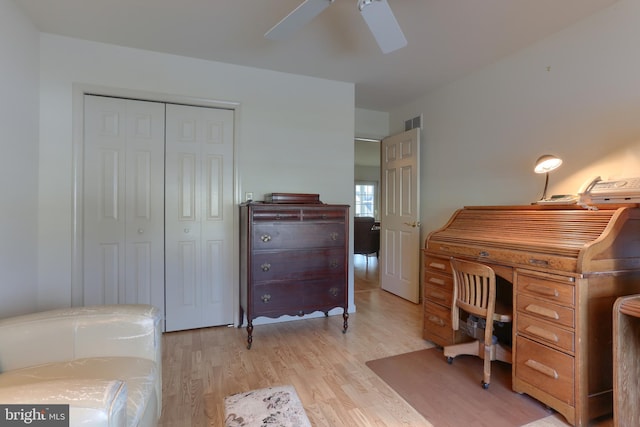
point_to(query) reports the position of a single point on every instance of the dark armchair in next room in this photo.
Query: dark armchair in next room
(366, 236)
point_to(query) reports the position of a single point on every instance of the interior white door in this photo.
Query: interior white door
(399, 220)
(199, 211)
(123, 192)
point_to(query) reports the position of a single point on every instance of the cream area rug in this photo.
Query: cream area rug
(266, 407)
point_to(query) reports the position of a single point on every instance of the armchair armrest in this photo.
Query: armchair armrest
(65, 334)
(94, 403)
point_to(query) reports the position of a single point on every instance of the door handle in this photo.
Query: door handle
(413, 224)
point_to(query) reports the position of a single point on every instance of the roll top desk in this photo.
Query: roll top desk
(567, 265)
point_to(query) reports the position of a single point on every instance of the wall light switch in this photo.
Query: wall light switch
(248, 196)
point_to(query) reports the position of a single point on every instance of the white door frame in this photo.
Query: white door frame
(79, 91)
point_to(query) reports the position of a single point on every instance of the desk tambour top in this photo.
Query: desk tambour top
(566, 239)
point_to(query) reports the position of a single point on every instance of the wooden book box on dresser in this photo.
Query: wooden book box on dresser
(567, 266)
(293, 260)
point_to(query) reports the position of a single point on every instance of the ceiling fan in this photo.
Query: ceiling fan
(376, 13)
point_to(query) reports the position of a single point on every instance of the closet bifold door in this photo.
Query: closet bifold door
(199, 210)
(123, 201)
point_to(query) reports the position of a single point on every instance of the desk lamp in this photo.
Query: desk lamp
(545, 164)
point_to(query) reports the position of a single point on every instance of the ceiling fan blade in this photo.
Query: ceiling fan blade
(383, 24)
(297, 19)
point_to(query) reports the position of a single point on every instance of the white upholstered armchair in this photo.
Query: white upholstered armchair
(105, 361)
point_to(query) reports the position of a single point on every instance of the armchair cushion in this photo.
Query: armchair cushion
(110, 351)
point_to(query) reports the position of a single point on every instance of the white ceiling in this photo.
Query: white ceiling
(447, 39)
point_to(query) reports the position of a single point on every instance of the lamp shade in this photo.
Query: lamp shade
(547, 163)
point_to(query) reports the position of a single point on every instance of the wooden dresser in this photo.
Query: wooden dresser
(567, 265)
(293, 260)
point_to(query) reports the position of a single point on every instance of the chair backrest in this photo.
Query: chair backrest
(474, 290)
(365, 240)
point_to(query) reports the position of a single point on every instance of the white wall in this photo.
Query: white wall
(295, 133)
(575, 94)
(19, 160)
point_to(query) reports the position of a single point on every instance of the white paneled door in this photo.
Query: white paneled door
(199, 212)
(400, 225)
(123, 245)
(158, 209)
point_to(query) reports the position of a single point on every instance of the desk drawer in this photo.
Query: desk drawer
(546, 333)
(437, 321)
(441, 265)
(546, 369)
(438, 295)
(542, 309)
(550, 290)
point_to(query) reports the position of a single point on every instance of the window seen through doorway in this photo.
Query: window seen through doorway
(365, 199)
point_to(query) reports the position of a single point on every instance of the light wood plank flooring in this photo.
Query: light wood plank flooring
(327, 367)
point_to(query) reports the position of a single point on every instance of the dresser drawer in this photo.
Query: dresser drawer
(550, 290)
(322, 294)
(297, 264)
(546, 369)
(442, 265)
(546, 333)
(298, 297)
(541, 309)
(314, 214)
(277, 215)
(297, 235)
(276, 298)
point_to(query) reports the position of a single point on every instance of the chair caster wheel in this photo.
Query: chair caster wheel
(485, 385)
(449, 360)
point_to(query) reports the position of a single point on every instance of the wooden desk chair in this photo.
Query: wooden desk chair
(474, 291)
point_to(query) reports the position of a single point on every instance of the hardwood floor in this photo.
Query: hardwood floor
(327, 367)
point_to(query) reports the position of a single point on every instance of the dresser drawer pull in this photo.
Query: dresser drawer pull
(438, 265)
(333, 292)
(265, 267)
(436, 281)
(265, 238)
(437, 295)
(542, 311)
(265, 298)
(333, 236)
(542, 290)
(542, 333)
(435, 319)
(543, 369)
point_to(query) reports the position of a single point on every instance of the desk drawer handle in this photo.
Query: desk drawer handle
(543, 369)
(435, 319)
(542, 333)
(436, 281)
(542, 311)
(539, 262)
(438, 265)
(484, 254)
(542, 290)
